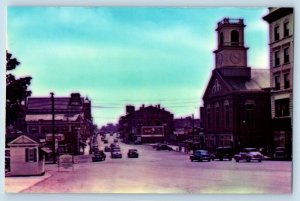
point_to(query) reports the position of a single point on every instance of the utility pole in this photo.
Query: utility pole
(53, 127)
(193, 125)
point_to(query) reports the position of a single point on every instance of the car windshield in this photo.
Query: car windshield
(250, 150)
(201, 152)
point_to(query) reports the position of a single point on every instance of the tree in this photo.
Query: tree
(16, 91)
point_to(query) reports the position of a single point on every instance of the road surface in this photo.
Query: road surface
(167, 172)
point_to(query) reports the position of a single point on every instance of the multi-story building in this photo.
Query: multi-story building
(72, 121)
(236, 109)
(147, 124)
(281, 43)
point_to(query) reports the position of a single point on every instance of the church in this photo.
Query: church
(236, 103)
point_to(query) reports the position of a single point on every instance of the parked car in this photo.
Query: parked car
(164, 147)
(133, 153)
(138, 142)
(116, 154)
(249, 154)
(222, 153)
(200, 155)
(115, 140)
(107, 149)
(95, 148)
(280, 153)
(98, 156)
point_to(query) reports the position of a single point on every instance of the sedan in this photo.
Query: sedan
(200, 155)
(98, 156)
(249, 154)
(116, 154)
(164, 147)
(133, 153)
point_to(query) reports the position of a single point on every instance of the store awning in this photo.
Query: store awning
(46, 150)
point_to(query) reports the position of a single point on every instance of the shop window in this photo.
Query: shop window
(282, 107)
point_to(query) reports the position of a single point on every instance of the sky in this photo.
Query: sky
(131, 55)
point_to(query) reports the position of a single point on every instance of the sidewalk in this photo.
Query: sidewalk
(18, 184)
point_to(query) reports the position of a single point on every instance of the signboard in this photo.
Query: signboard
(152, 131)
(58, 137)
(65, 161)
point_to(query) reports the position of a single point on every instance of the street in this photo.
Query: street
(166, 172)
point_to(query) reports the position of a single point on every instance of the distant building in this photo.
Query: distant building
(147, 124)
(183, 129)
(73, 121)
(236, 109)
(281, 43)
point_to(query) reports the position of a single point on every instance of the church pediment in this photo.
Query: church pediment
(216, 86)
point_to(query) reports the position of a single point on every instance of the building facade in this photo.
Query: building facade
(235, 95)
(146, 125)
(72, 121)
(281, 44)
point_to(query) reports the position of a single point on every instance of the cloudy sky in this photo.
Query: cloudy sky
(118, 56)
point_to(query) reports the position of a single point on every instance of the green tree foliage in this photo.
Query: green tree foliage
(16, 91)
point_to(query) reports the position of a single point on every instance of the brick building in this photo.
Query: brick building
(147, 124)
(236, 109)
(73, 121)
(281, 44)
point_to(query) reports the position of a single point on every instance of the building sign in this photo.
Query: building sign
(65, 161)
(152, 131)
(58, 137)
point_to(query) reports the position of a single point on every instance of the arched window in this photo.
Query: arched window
(234, 37)
(226, 109)
(221, 39)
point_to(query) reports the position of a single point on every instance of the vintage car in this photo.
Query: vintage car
(98, 156)
(116, 154)
(280, 153)
(163, 147)
(249, 154)
(222, 153)
(133, 153)
(200, 155)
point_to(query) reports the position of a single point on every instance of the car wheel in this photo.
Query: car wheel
(259, 160)
(221, 159)
(230, 159)
(208, 160)
(237, 160)
(192, 160)
(248, 160)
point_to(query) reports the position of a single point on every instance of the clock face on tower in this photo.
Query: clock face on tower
(235, 58)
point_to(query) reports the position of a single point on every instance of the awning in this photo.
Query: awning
(46, 150)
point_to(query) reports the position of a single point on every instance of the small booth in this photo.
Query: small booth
(27, 157)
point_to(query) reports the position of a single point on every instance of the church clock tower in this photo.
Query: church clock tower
(231, 52)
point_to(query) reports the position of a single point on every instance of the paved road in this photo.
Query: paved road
(167, 172)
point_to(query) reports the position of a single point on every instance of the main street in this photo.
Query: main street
(166, 172)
